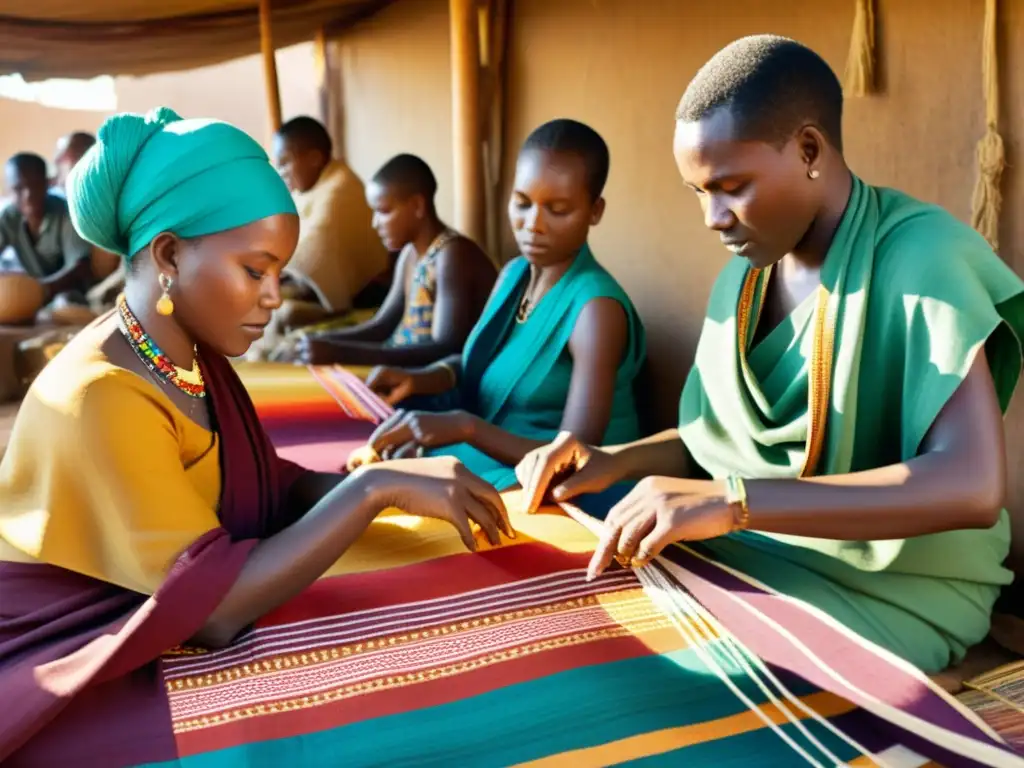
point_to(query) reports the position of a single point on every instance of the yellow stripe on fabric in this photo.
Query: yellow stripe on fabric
(271, 383)
(669, 739)
(396, 538)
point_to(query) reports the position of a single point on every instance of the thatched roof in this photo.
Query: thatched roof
(85, 38)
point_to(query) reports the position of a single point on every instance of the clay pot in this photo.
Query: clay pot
(21, 297)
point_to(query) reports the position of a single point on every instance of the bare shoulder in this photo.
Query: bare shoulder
(602, 315)
(464, 255)
(405, 263)
(601, 329)
(406, 257)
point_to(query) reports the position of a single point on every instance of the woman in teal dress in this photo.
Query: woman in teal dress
(559, 345)
(846, 398)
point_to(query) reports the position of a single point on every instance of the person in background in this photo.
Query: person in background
(559, 345)
(70, 149)
(441, 283)
(105, 266)
(338, 254)
(38, 229)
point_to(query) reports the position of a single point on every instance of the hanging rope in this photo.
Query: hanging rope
(860, 62)
(988, 198)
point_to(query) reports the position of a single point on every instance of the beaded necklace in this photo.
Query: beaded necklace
(527, 304)
(188, 381)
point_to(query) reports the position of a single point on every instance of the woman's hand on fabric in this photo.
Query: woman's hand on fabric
(565, 468)
(420, 429)
(361, 457)
(365, 456)
(393, 384)
(441, 488)
(657, 512)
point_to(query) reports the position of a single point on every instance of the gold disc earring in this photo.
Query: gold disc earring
(164, 305)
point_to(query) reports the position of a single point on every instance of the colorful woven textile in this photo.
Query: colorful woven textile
(998, 698)
(510, 657)
(315, 416)
(413, 652)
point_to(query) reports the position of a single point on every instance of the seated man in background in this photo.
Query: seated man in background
(70, 149)
(38, 229)
(106, 267)
(46, 246)
(338, 254)
(441, 283)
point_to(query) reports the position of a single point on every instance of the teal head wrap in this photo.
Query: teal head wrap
(159, 173)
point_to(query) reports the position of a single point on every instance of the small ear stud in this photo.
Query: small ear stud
(813, 173)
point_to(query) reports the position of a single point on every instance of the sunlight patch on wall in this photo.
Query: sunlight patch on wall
(95, 95)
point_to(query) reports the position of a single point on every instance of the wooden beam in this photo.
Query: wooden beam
(270, 66)
(467, 127)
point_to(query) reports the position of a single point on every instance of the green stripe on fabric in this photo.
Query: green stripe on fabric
(570, 710)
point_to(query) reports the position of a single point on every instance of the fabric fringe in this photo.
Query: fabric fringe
(988, 198)
(998, 698)
(860, 62)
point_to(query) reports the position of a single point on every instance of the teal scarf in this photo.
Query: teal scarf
(159, 173)
(914, 295)
(517, 376)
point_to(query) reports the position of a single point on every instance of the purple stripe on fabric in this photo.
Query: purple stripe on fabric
(333, 430)
(721, 593)
(878, 735)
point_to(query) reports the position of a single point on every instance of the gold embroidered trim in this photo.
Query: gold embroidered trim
(322, 655)
(413, 678)
(819, 387)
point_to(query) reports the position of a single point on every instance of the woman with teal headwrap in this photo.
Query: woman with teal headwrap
(141, 503)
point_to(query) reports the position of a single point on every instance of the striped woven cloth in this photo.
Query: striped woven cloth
(414, 652)
(411, 651)
(317, 415)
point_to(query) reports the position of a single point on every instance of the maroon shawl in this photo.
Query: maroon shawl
(68, 638)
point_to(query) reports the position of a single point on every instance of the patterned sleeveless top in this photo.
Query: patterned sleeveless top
(418, 320)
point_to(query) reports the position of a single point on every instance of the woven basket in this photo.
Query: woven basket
(21, 297)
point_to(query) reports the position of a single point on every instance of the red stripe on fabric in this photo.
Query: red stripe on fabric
(443, 577)
(264, 644)
(410, 697)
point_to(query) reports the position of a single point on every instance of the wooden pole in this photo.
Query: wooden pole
(467, 129)
(323, 77)
(330, 90)
(493, 101)
(270, 66)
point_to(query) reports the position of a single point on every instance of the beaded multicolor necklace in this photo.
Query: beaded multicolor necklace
(189, 382)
